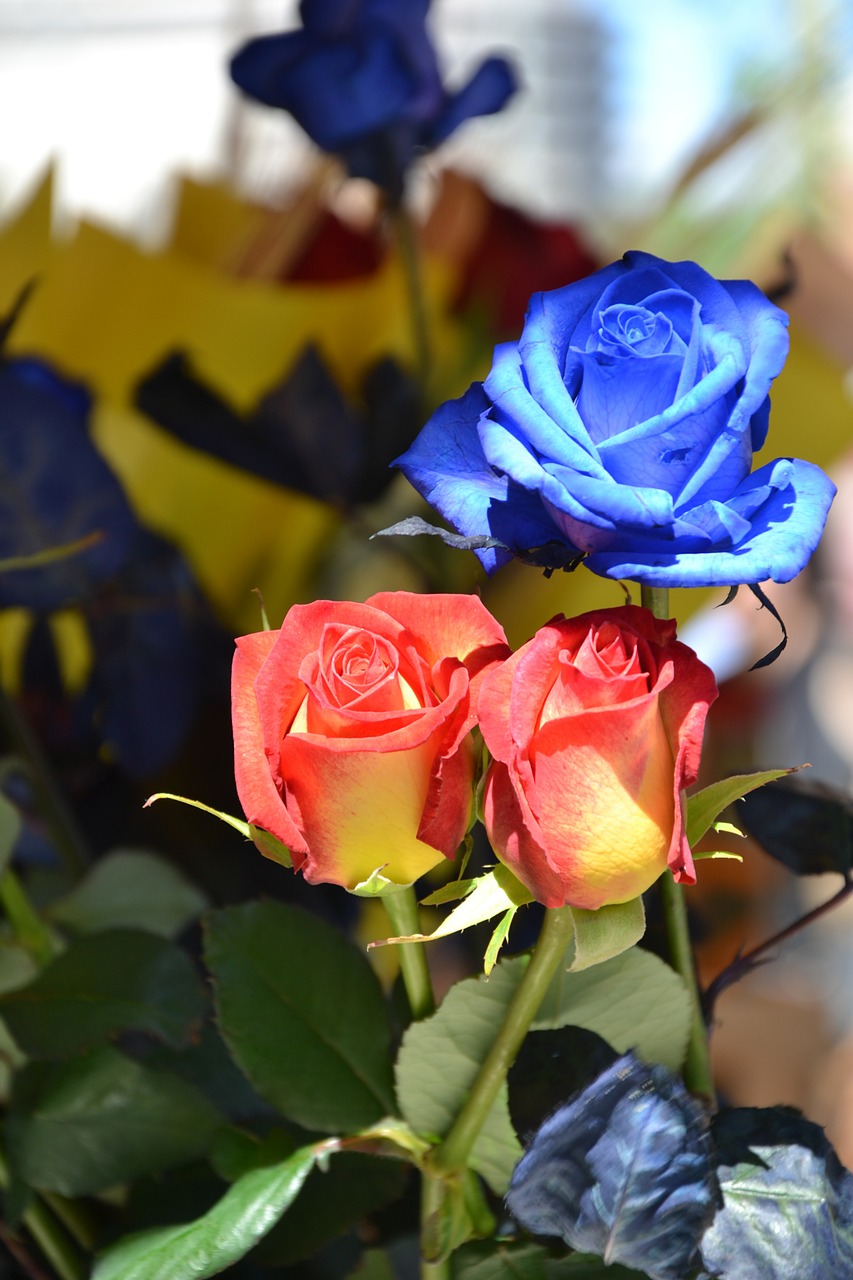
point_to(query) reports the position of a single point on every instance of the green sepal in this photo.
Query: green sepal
(375, 886)
(607, 932)
(269, 845)
(706, 805)
(498, 892)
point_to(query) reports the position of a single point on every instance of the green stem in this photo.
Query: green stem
(48, 1234)
(451, 1156)
(697, 1065)
(655, 599)
(432, 1202)
(410, 258)
(27, 926)
(75, 1217)
(402, 910)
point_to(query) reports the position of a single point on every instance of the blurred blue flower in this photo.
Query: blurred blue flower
(621, 428)
(362, 79)
(150, 630)
(55, 488)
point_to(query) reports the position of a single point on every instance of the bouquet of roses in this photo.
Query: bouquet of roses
(552, 1112)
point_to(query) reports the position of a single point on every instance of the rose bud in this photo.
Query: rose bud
(595, 726)
(352, 731)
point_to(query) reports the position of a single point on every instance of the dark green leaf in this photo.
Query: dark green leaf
(788, 1202)
(805, 824)
(212, 1243)
(79, 1127)
(130, 889)
(105, 983)
(236, 1152)
(303, 1014)
(207, 1064)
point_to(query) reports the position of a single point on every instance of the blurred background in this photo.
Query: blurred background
(185, 242)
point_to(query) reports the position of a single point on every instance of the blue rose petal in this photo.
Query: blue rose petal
(446, 465)
(784, 533)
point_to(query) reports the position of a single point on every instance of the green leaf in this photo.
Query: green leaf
(303, 1015)
(705, 805)
(102, 984)
(214, 1242)
(439, 1060)
(10, 826)
(633, 1001)
(79, 1127)
(130, 889)
(607, 932)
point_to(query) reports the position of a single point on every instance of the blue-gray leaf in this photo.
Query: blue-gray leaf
(788, 1207)
(624, 1171)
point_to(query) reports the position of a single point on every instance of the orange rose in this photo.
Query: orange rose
(595, 726)
(352, 731)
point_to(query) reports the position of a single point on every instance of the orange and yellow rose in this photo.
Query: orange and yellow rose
(352, 731)
(595, 726)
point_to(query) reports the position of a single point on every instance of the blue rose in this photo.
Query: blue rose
(621, 427)
(362, 79)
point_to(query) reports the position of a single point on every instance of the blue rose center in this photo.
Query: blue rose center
(626, 329)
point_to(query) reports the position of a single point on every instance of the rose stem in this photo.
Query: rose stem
(407, 242)
(48, 1234)
(451, 1156)
(402, 910)
(697, 1064)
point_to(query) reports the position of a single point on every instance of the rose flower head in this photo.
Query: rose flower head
(595, 726)
(362, 79)
(352, 738)
(621, 428)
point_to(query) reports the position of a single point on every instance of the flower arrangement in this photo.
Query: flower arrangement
(226, 1080)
